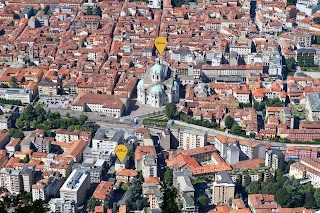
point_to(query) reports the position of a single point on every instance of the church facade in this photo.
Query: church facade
(157, 89)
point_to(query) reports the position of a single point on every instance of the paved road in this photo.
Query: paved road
(213, 132)
(126, 123)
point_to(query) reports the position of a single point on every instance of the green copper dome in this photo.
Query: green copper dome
(157, 68)
(156, 89)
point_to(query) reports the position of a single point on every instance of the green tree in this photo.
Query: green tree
(48, 38)
(282, 197)
(317, 197)
(16, 133)
(203, 201)
(228, 122)
(310, 201)
(19, 124)
(236, 129)
(91, 203)
(168, 177)
(98, 11)
(169, 198)
(13, 82)
(318, 39)
(83, 119)
(106, 205)
(46, 9)
(254, 187)
(290, 63)
(89, 11)
(171, 110)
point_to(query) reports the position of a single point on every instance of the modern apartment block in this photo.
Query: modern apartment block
(107, 139)
(189, 139)
(11, 180)
(223, 189)
(76, 186)
(275, 159)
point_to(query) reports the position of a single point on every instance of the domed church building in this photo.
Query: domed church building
(157, 89)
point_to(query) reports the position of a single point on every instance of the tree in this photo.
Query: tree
(16, 133)
(171, 110)
(290, 63)
(317, 197)
(114, 208)
(46, 9)
(91, 203)
(282, 197)
(67, 114)
(310, 201)
(13, 82)
(98, 11)
(83, 119)
(254, 187)
(106, 204)
(318, 39)
(228, 122)
(19, 123)
(89, 11)
(168, 177)
(169, 199)
(48, 38)
(203, 201)
(236, 129)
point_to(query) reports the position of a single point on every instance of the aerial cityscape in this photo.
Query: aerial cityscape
(149, 106)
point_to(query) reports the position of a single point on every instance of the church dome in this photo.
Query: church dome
(156, 89)
(157, 68)
(141, 84)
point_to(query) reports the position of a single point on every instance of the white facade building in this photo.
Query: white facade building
(155, 89)
(76, 186)
(155, 4)
(107, 139)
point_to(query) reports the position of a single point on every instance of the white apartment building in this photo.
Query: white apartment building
(251, 150)
(150, 166)
(107, 139)
(155, 4)
(190, 139)
(274, 159)
(76, 186)
(27, 174)
(233, 154)
(11, 180)
(40, 191)
(97, 154)
(248, 150)
(182, 56)
(60, 205)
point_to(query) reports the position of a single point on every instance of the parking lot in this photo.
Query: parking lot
(55, 102)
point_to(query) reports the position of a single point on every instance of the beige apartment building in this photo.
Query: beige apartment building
(190, 139)
(223, 189)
